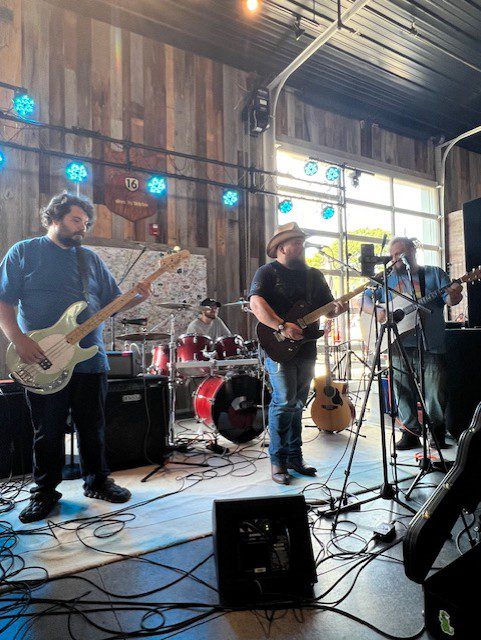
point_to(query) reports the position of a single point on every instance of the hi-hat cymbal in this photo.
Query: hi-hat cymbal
(140, 337)
(176, 305)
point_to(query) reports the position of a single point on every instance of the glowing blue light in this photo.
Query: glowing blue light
(230, 198)
(76, 172)
(328, 212)
(23, 105)
(2, 159)
(311, 168)
(157, 185)
(285, 206)
(333, 173)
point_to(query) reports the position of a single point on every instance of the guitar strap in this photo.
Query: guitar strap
(310, 286)
(82, 269)
(422, 281)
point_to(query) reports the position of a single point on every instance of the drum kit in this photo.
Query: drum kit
(230, 397)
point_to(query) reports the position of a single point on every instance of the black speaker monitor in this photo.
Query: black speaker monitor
(16, 431)
(263, 550)
(472, 249)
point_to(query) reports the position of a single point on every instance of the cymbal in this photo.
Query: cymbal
(240, 302)
(176, 305)
(140, 337)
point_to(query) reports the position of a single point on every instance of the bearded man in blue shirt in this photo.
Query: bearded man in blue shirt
(432, 341)
(42, 277)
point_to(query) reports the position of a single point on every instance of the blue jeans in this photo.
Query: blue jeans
(290, 386)
(435, 390)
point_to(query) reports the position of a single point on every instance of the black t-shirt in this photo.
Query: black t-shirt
(281, 288)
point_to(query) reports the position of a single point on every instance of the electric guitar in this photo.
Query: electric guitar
(402, 310)
(60, 342)
(332, 409)
(282, 349)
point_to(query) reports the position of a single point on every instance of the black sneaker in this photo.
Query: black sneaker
(109, 491)
(39, 506)
(408, 441)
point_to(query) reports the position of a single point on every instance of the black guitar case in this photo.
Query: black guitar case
(459, 490)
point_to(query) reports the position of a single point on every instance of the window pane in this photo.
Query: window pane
(329, 246)
(423, 229)
(432, 258)
(408, 195)
(368, 221)
(374, 189)
(309, 215)
(294, 166)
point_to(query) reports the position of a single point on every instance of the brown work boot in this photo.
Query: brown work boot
(279, 474)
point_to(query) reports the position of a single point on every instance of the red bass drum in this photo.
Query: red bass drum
(233, 405)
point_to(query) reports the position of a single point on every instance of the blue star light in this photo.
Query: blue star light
(230, 198)
(76, 172)
(157, 185)
(333, 173)
(285, 206)
(23, 105)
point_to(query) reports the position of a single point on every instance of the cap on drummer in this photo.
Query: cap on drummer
(209, 309)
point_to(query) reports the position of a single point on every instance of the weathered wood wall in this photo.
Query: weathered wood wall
(301, 123)
(90, 74)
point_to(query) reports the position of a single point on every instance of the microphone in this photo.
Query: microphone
(384, 240)
(404, 260)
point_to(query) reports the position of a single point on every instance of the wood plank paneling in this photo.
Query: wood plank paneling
(306, 123)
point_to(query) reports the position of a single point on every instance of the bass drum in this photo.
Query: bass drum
(233, 405)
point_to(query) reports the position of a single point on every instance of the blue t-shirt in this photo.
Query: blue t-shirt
(44, 280)
(433, 323)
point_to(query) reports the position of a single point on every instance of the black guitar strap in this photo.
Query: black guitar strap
(82, 269)
(422, 281)
(310, 286)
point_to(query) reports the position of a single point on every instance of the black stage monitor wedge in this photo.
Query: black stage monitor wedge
(136, 418)
(263, 550)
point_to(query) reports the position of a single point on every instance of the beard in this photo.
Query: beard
(298, 264)
(70, 241)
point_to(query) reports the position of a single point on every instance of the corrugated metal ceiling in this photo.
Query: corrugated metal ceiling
(411, 65)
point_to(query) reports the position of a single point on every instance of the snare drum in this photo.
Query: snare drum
(233, 405)
(190, 346)
(229, 347)
(160, 360)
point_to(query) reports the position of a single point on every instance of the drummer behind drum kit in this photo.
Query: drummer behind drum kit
(230, 395)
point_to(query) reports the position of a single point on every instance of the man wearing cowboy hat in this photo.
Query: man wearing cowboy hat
(276, 287)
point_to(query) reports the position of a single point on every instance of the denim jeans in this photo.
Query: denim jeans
(85, 395)
(435, 391)
(290, 386)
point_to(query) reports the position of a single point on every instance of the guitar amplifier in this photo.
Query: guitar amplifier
(124, 364)
(16, 431)
(136, 422)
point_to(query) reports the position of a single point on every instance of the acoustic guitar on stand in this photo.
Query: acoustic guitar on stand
(332, 409)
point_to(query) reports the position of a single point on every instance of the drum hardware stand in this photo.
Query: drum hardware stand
(389, 490)
(171, 447)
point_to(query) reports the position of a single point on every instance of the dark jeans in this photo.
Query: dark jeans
(435, 391)
(290, 386)
(85, 396)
